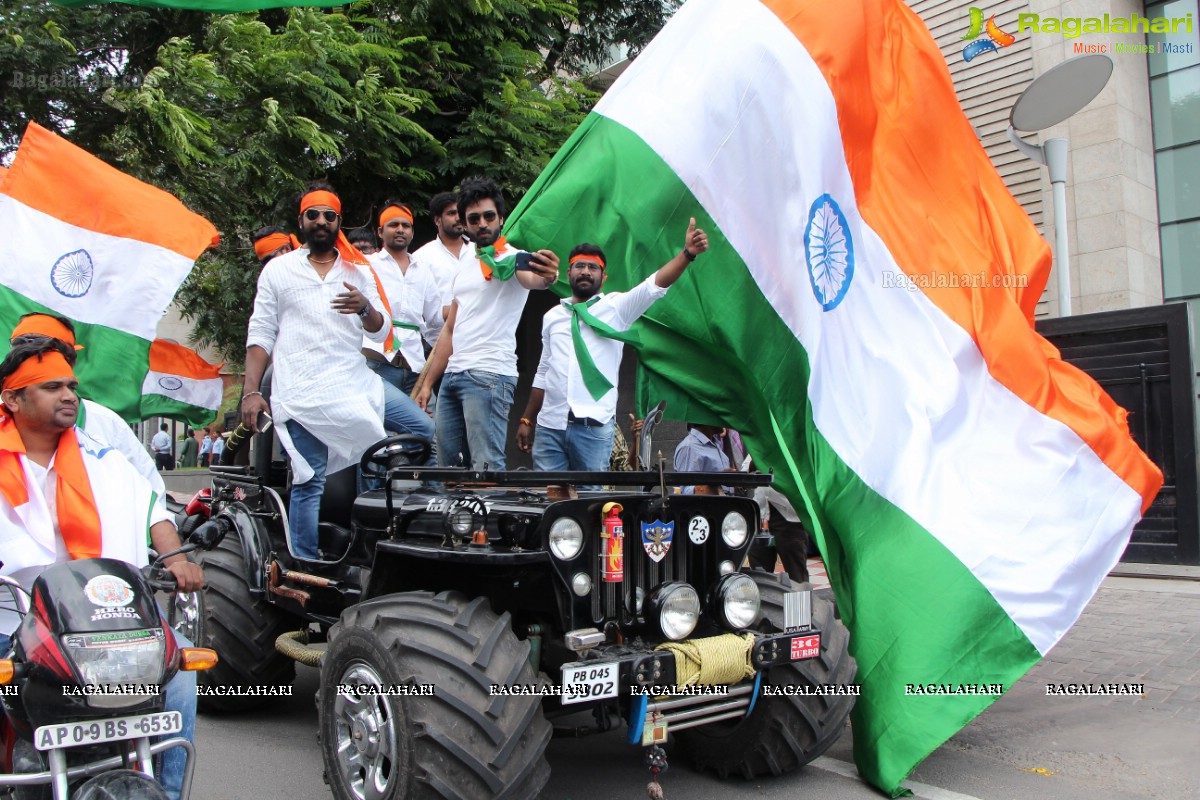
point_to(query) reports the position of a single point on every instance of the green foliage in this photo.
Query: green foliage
(235, 113)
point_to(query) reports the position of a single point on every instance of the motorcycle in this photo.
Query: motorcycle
(83, 689)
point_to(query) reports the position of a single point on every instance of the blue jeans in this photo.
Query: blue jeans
(400, 415)
(472, 418)
(578, 447)
(402, 378)
(178, 695)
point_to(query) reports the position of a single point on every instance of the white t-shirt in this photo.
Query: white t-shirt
(485, 328)
(105, 426)
(161, 443)
(444, 264)
(558, 372)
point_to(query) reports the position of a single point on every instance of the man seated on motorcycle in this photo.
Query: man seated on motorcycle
(110, 430)
(65, 496)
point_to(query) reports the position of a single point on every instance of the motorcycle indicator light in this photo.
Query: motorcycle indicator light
(194, 659)
(7, 670)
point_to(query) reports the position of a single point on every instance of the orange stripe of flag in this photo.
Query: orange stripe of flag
(175, 359)
(925, 185)
(53, 176)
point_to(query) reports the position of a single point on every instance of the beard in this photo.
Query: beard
(486, 237)
(321, 240)
(585, 291)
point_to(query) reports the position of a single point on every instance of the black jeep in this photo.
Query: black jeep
(466, 610)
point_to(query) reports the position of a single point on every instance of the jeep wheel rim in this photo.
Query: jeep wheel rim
(365, 730)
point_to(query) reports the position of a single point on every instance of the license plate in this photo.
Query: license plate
(74, 734)
(591, 681)
(806, 647)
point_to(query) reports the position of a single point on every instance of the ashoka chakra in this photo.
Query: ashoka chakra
(71, 275)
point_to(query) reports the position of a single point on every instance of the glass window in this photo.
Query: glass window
(1175, 107)
(1178, 184)
(1181, 249)
(1170, 49)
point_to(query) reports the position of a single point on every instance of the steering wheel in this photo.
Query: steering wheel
(403, 449)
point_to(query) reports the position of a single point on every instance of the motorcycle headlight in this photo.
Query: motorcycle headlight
(735, 601)
(120, 666)
(734, 529)
(566, 538)
(676, 609)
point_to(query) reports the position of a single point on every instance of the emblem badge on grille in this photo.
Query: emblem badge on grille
(656, 538)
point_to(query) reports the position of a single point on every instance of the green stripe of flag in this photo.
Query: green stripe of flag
(907, 586)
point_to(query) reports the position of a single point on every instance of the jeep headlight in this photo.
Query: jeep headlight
(675, 608)
(734, 529)
(566, 538)
(460, 520)
(735, 601)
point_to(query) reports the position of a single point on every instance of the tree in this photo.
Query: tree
(235, 113)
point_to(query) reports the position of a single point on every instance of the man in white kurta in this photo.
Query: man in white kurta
(574, 395)
(311, 312)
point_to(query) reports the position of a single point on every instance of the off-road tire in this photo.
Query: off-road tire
(242, 629)
(782, 733)
(459, 742)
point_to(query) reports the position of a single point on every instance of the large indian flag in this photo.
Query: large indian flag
(83, 240)
(861, 319)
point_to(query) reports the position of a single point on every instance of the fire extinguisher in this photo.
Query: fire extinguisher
(612, 540)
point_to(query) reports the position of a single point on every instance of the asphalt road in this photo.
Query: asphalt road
(1027, 745)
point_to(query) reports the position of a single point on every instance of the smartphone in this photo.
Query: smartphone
(524, 262)
(264, 422)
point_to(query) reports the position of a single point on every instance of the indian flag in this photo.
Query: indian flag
(864, 318)
(83, 240)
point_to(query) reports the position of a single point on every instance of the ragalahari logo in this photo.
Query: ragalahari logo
(996, 37)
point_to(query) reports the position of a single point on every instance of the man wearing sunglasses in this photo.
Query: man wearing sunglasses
(477, 350)
(311, 311)
(575, 388)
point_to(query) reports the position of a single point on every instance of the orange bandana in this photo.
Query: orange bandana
(320, 198)
(49, 366)
(588, 258)
(78, 519)
(45, 325)
(391, 212)
(269, 244)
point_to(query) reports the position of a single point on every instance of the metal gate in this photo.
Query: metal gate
(1142, 358)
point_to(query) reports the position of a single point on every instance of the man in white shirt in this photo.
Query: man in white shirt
(103, 425)
(574, 395)
(413, 297)
(448, 252)
(160, 443)
(477, 350)
(66, 496)
(310, 313)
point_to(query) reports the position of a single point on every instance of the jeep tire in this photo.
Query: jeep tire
(782, 733)
(459, 741)
(242, 629)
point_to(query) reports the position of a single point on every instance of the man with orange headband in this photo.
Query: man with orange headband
(477, 350)
(311, 311)
(107, 428)
(270, 242)
(65, 496)
(413, 296)
(575, 387)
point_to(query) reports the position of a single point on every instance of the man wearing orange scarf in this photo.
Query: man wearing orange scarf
(311, 311)
(66, 496)
(477, 350)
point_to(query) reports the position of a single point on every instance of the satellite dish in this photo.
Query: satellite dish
(1062, 91)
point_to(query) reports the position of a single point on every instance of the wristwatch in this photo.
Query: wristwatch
(365, 311)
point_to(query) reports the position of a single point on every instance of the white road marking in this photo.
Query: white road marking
(920, 790)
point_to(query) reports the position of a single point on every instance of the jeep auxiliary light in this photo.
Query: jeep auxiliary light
(566, 538)
(734, 529)
(735, 601)
(675, 608)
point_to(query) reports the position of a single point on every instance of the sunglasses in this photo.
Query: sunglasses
(313, 214)
(473, 219)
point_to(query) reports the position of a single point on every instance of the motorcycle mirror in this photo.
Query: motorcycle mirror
(207, 535)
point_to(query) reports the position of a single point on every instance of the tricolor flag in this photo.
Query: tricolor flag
(83, 240)
(856, 319)
(179, 383)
